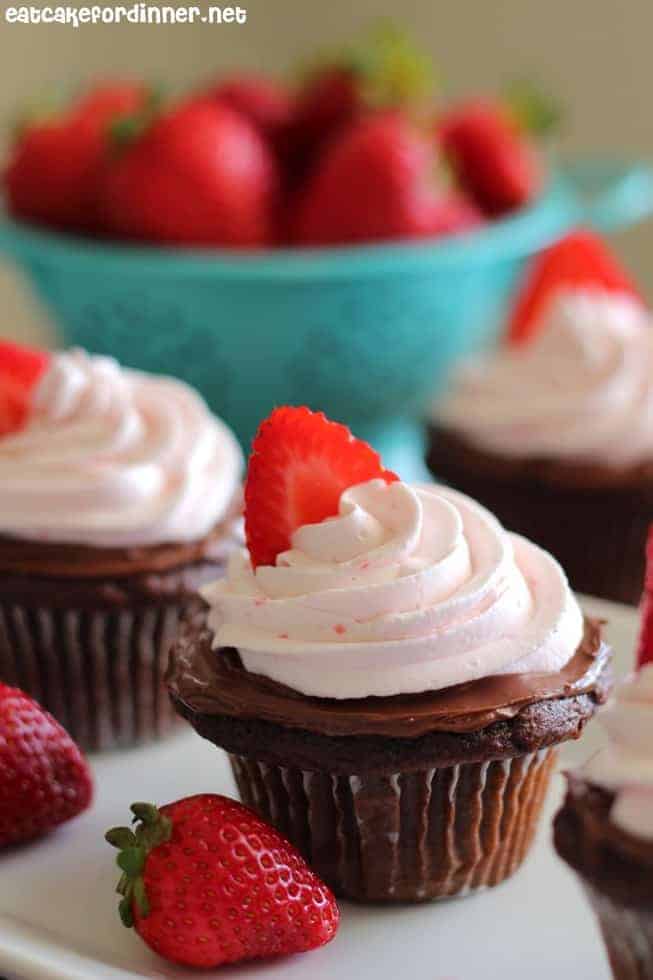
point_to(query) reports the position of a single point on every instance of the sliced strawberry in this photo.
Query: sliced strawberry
(300, 464)
(580, 260)
(14, 406)
(20, 369)
(645, 646)
(23, 364)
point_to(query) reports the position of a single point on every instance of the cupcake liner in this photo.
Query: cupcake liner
(98, 671)
(407, 836)
(602, 557)
(628, 935)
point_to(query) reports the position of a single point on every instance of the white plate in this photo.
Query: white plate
(58, 916)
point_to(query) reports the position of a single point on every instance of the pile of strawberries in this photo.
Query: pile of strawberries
(356, 153)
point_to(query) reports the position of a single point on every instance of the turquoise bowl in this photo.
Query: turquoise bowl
(368, 334)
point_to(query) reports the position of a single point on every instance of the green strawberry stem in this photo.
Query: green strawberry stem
(389, 66)
(535, 111)
(126, 129)
(152, 829)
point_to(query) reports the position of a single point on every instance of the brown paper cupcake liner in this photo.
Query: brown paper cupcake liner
(598, 536)
(98, 671)
(409, 836)
(628, 935)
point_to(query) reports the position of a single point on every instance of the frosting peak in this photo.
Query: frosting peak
(407, 589)
(112, 457)
(581, 389)
(625, 765)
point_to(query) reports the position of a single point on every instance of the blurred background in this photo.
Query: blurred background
(595, 55)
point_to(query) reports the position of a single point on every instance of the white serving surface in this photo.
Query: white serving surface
(58, 909)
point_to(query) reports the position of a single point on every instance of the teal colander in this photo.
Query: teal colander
(367, 334)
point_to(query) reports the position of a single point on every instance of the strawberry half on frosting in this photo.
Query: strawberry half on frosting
(300, 464)
(21, 368)
(579, 261)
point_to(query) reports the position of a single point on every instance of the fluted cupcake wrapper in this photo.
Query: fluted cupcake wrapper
(98, 671)
(628, 935)
(408, 836)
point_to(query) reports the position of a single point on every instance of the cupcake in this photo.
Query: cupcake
(119, 496)
(604, 831)
(388, 669)
(555, 430)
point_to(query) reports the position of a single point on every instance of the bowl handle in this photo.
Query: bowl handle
(611, 194)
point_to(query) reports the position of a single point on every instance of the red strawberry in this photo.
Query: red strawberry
(44, 777)
(381, 70)
(375, 183)
(266, 103)
(20, 369)
(55, 165)
(495, 163)
(645, 646)
(199, 175)
(106, 100)
(580, 260)
(300, 464)
(206, 882)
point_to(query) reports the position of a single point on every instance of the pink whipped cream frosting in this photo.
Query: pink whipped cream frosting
(112, 457)
(582, 389)
(625, 765)
(407, 589)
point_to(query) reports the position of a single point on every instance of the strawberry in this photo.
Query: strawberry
(580, 260)
(20, 369)
(206, 882)
(264, 102)
(300, 464)
(375, 183)
(44, 777)
(200, 174)
(645, 645)
(495, 163)
(105, 101)
(55, 165)
(382, 69)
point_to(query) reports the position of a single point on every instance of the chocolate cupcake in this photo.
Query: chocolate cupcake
(389, 670)
(119, 497)
(554, 432)
(604, 831)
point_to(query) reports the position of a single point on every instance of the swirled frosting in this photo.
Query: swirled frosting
(582, 389)
(625, 765)
(112, 457)
(407, 589)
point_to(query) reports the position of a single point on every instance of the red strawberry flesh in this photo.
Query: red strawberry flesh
(20, 369)
(580, 260)
(300, 464)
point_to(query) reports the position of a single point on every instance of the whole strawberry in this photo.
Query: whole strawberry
(200, 174)
(56, 162)
(375, 183)
(206, 882)
(380, 70)
(495, 162)
(261, 100)
(44, 778)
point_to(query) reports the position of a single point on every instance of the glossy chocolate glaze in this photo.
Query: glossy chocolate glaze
(614, 861)
(213, 682)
